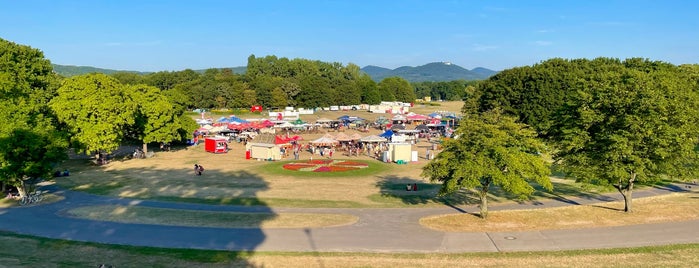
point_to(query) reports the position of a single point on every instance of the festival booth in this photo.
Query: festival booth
(216, 145)
(400, 153)
(263, 147)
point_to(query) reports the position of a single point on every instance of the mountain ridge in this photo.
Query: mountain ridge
(434, 71)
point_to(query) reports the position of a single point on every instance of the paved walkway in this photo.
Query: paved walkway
(377, 230)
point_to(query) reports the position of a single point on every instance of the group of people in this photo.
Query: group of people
(198, 169)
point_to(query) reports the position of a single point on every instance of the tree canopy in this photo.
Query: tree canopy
(631, 122)
(611, 122)
(488, 150)
(97, 110)
(30, 142)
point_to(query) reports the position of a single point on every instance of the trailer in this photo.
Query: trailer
(216, 145)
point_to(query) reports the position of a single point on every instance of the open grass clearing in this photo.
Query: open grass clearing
(666, 208)
(178, 217)
(29, 251)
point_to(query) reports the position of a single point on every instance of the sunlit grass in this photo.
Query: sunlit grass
(29, 251)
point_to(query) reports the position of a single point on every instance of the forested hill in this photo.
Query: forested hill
(436, 71)
(70, 70)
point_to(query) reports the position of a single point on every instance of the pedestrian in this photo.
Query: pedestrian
(201, 170)
(427, 154)
(196, 169)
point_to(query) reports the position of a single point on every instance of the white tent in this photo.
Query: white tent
(373, 138)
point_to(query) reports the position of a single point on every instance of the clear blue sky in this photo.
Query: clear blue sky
(149, 35)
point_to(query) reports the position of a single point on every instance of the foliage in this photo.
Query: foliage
(629, 122)
(450, 91)
(28, 155)
(97, 111)
(29, 139)
(155, 119)
(490, 149)
(396, 89)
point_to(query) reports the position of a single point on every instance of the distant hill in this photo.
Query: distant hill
(436, 71)
(70, 70)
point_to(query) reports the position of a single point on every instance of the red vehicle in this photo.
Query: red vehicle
(216, 145)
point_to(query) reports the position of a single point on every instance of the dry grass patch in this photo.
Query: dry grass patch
(666, 208)
(659, 257)
(178, 217)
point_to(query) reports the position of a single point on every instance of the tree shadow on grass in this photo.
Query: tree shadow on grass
(184, 191)
(394, 188)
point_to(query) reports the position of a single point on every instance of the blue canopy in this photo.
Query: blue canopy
(388, 134)
(223, 120)
(232, 119)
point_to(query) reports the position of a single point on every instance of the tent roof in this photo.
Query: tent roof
(373, 138)
(343, 137)
(324, 140)
(387, 134)
(265, 138)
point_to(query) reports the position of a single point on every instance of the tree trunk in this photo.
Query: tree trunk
(627, 192)
(484, 204)
(145, 149)
(483, 194)
(22, 189)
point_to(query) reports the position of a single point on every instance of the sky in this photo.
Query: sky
(160, 35)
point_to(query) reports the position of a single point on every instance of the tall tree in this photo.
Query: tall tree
(490, 150)
(370, 91)
(97, 110)
(28, 155)
(629, 125)
(396, 88)
(156, 118)
(29, 139)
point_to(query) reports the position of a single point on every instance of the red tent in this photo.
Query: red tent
(267, 123)
(256, 108)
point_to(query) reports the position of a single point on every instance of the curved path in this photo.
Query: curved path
(378, 230)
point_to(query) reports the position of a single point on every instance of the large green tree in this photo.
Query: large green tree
(396, 88)
(97, 110)
(629, 123)
(156, 118)
(29, 139)
(29, 155)
(490, 150)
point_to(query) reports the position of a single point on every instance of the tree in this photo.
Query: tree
(156, 118)
(396, 88)
(28, 156)
(97, 110)
(370, 92)
(490, 150)
(628, 125)
(29, 139)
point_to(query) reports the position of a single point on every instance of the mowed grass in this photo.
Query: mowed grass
(179, 217)
(28, 251)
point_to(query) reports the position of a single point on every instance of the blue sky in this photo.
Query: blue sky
(157, 35)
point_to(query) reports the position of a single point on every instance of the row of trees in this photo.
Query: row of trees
(276, 82)
(279, 82)
(605, 121)
(43, 115)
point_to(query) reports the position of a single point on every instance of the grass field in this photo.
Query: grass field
(230, 179)
(27, 251)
